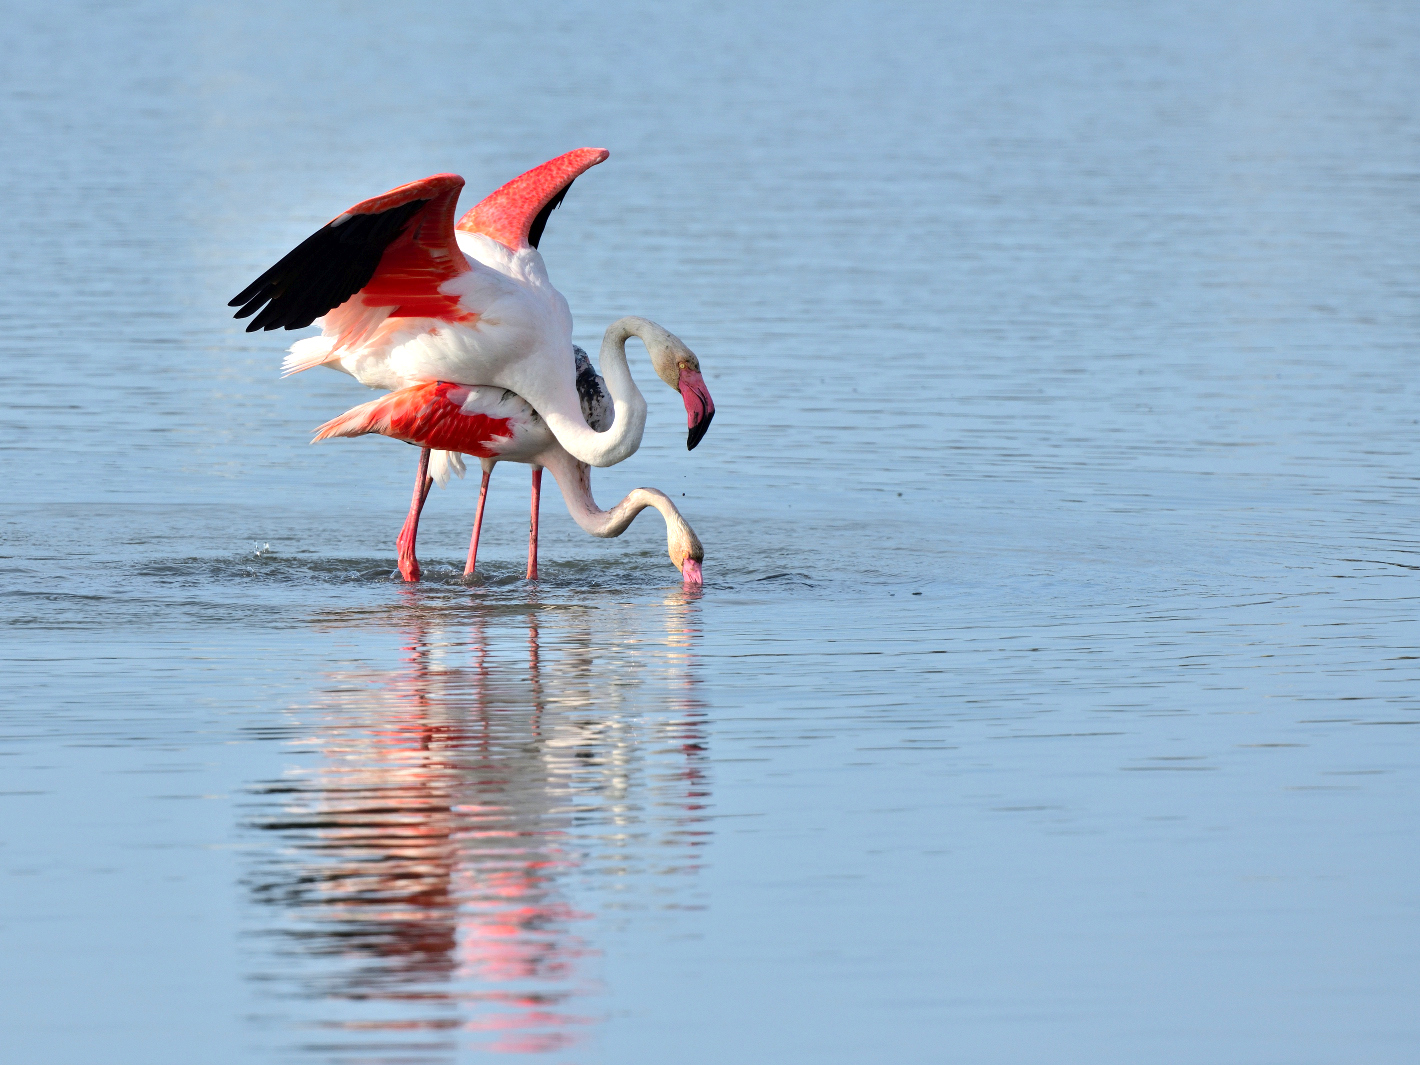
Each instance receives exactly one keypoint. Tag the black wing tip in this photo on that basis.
(697, 431)
(324, 270)
(539, 222)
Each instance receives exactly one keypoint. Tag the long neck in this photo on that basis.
(575, 480)
(623, 436)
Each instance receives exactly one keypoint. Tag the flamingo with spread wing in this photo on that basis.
(404, 296)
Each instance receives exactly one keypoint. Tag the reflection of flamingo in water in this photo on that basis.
(422, 866)
(431, 863)
(496, 425)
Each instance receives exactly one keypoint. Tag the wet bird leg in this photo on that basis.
(477, 526)
(404, 543)
(532, 525)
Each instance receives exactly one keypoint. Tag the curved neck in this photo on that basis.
(575, 480)
(623, 436)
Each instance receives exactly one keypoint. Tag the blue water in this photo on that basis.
(1052, 696)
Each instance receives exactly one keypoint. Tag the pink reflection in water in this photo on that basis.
(422, 872)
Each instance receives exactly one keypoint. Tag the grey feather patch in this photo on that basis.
(597, 405)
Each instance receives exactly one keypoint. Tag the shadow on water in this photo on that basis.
(432, 867)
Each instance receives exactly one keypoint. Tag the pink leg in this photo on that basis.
(532, 525)
(404, 544)
(477, 526)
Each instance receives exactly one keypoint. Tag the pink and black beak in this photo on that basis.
(699, 407)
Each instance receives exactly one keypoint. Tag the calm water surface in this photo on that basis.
(1052, 696)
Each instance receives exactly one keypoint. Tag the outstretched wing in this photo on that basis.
(395, 250)
(516, 214)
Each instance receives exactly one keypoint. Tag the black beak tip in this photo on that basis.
(698, 431)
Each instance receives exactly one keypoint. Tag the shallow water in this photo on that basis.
(1052, 694)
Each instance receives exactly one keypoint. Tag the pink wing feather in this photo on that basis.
(430, 415)
(386, 257)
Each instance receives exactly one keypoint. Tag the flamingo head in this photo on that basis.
(678, 366)
(516, 214)
(685, 551)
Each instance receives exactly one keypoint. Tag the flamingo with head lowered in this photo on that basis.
(404, 296)
(493, 425)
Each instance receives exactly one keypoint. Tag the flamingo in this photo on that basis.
(494, 424)
(404, 296)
